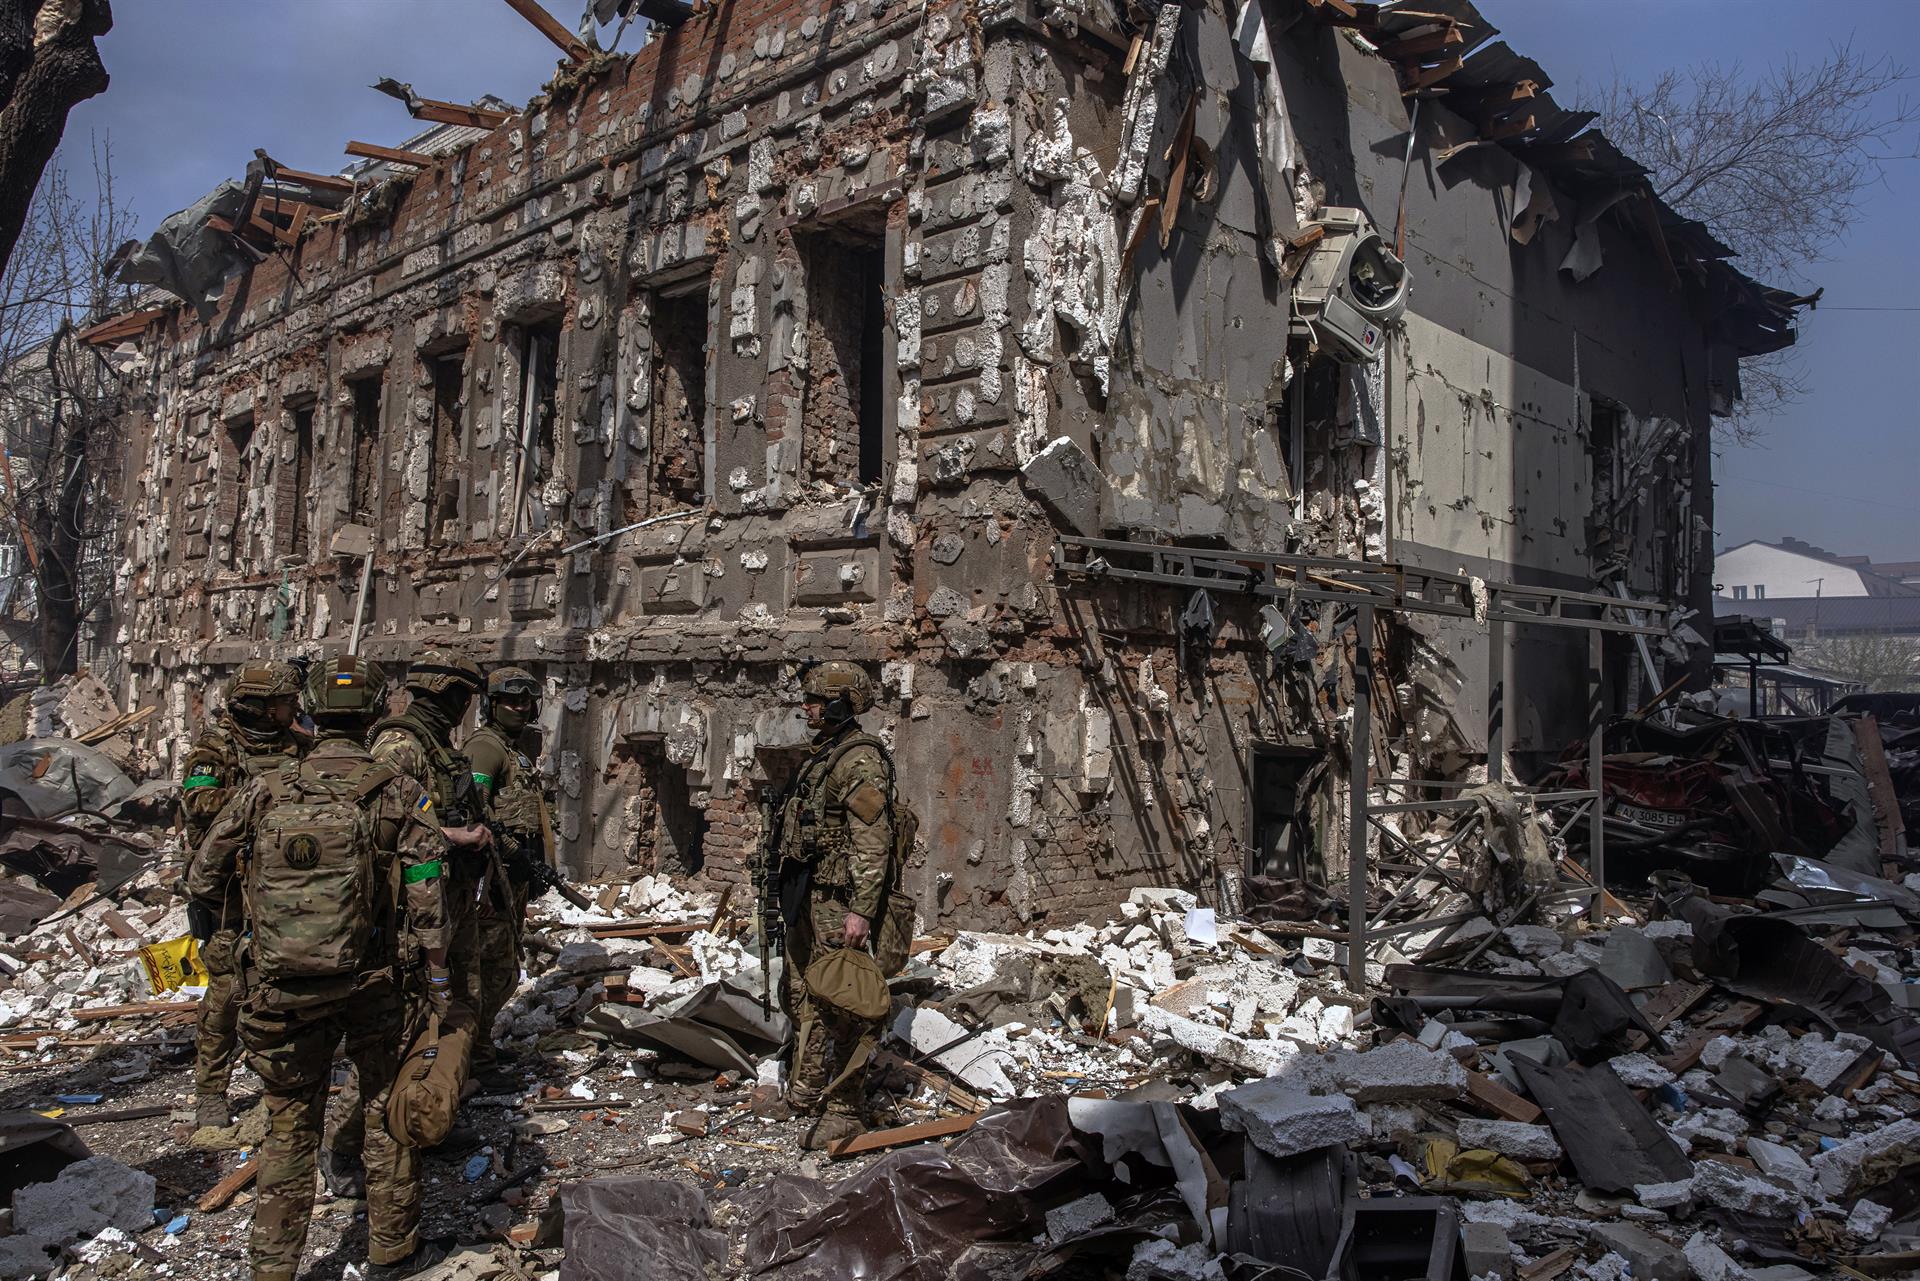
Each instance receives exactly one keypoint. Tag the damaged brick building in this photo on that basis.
(807, 330)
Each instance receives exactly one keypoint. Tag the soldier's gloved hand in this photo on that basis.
(439, 988)
(201, 921)
(855, 928)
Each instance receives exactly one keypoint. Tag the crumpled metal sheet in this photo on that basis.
(1769, 959)
(1613, 1142)
(719, 1025)
(923, 1214)
(637, 1227)
(63, 857)
(186, 257)
(1588, 1012)
(55, 776)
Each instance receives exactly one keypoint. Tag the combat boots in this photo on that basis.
(210, 1112)
(829, 1129)
(425, 1255)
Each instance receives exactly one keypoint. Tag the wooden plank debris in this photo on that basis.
(666, 929)
(138, 1010)
(951, 1091)
(120, 1114)
(902, 1135)
(230, 1187)
(1490, 1097)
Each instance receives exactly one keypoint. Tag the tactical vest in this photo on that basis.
(450, 776)
(312, 885)
(815, 831)
(515, 798)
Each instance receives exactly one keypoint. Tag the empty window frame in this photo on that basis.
(237, 447)
(1285, 843)
(539, 406)
(679, 395)
(445, 482)
(363, 494)
(844, 415)
(290, 486)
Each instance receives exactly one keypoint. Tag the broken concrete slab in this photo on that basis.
(1283, 1120)
(1486, 1250)
(1709, 1262)
(87, 1197)
(1651, 1258)
(1868, 1219)
(1841, 1166)
(979, 1059)
(1778, 1161)
(1510, 1138)
(1076, 1217)
(1066, 480)
(1732, 1188)
(1403, 1072)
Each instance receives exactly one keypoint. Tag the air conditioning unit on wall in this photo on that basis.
(1350, 287)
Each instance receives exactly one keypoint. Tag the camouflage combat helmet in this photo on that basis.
(438, 670)
(509, 682)
(264, 680)
(846, 687)
(347, 686)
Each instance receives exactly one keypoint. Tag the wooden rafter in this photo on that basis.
(453, 113)
(372, 151)
(1427, 77)
(115, 328)
(1424, 46)
(549, 26)
(318, 181)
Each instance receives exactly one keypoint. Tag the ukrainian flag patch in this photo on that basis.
(425, 803)
(343, 678)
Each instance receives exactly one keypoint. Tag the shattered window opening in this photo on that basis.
(291, 494)
(679, 395)
(540, 374)
(237, 445)
(843, 423)
(364, 482)
(443, 508)
(1285, 845)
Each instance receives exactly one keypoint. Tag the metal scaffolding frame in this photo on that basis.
(1367, 587)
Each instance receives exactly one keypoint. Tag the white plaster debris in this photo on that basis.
(1075, 1217)
(1868, 1219)
(1709, 1262)
(1516, 1139)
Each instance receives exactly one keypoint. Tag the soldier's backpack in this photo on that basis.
(310, 886)
(893, 932)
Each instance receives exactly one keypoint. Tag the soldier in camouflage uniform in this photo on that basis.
(418, 743)
(836, 843)
(291, 1025)
(505, 778)
(251, 736)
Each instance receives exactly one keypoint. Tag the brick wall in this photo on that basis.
(836, 312)
(680, 397)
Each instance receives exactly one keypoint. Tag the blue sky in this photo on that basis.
(198, 84)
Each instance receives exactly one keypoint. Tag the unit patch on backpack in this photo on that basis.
(310, 886)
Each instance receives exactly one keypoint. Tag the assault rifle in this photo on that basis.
(522, 856)
(766, 893)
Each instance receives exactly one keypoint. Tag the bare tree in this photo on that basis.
(60, 403)
(1884, 664)
(48, 64)
(1776, 164)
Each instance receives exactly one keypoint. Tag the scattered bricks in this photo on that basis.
(1709, 1262)
(1731, 1188)
(1840, 1166)
(1258, 1058)
(1868, 1220)
(1403, 1072)
(1510, 1138)
(1487, 1251)
(1284, 1120)
(1075, 1217)
(1652, 1258)
(1825, 1062)
(691, 1123)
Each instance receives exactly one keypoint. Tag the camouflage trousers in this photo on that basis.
(216, 1031)
(292, 1050)
(498, 965)
(832, 1050)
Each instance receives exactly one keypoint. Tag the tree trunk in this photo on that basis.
(42, 76)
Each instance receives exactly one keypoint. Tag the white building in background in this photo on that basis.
(1790, 568)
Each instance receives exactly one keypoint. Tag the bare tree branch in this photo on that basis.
(1777, 165)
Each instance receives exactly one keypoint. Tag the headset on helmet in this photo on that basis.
(263, 680)
(846, 687)
(347, 686)
(439, 670)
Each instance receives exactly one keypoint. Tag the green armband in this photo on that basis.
(483, 780)
(200, 780)
(421, 872)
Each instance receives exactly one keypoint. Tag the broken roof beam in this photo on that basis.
(444, 113)
(549, 26)
(117, 328)
(393, 155)
(278, 172)
(1424, 46)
